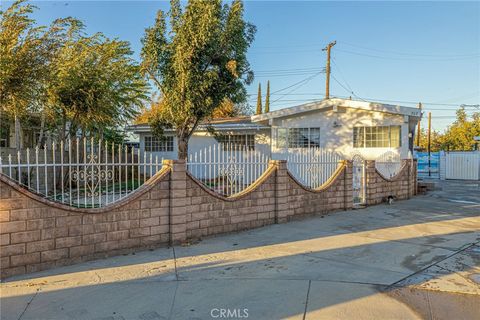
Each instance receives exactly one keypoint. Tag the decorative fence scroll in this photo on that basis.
(358, 180)
(227, 169)
(388, 164)
(312, 167)
(81, 173)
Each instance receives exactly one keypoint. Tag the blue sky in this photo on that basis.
(399, 51)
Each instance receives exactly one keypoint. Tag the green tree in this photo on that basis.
(459, 136)
(94, 84)
(259, 100)
(197, 62)
(25, 50)
(435, 140)
(226, 109)
(267, 98)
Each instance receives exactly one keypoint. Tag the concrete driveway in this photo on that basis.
(415, 259)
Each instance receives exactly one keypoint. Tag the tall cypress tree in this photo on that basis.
(267, 99)
(259, 99)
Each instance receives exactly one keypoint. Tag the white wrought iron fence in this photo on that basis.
(388, 164)
(81, 173)
(312, 167)
(227, 168)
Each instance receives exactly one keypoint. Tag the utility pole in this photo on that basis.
(418, 125)
(429, 141)
(327, 48)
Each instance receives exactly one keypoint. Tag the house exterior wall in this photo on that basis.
(336, 130)
(336, 133)
(201, 140)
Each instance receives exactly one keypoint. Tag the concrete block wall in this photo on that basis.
(401, 186)
(336, 194)
(171, 208)
(37, 234)
(209, 214)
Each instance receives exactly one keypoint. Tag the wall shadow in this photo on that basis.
(378, 248)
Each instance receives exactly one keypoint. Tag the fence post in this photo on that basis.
(178, 201)
(371, 182)
(282, 210)
(414, 175)
(348, 185)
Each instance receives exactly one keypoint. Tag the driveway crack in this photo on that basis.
(431, 265)
(28, 304)
(173, 301)
(175, 263)
(306, 300)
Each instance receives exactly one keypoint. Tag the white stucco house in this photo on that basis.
(346, 126)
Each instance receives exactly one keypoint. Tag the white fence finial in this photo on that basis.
(227, 168)
(312, 167)
(82, 173)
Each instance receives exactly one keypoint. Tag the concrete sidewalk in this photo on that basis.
(414, 259)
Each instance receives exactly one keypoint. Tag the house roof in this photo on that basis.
(255, 122)
(223, 124)
(324, 104)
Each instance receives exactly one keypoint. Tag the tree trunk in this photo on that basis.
(64, 127)
(182, 147)
(18, 142)
(42, 129)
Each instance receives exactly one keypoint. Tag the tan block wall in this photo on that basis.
(402, 186)
(172, 207)
(335, 195)
(210, 214)
(37, 234)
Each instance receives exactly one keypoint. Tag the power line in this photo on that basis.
(299, 85)
(284, 75)
(341, 74)
(341, 85)
(456, 106)
(289, 70)
(406, 58)
(299, 82)
(410, 53)
(397, 55)
(452, 55)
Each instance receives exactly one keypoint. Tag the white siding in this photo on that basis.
(336, 130)
(201, 140)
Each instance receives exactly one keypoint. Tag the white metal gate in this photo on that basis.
(227, 168)
(358, 180)
(312, 167)
(462, 165)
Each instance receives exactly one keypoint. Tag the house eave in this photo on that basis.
(145, 128)
(332, 103)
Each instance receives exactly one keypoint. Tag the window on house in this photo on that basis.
(297, 137)
(159, 144)
(238, 141)
(280, 137)
(303, 137)
(377, 137)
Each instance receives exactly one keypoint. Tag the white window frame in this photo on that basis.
(238, 141)
(283, 137)
(376, 137)
(158, 144)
